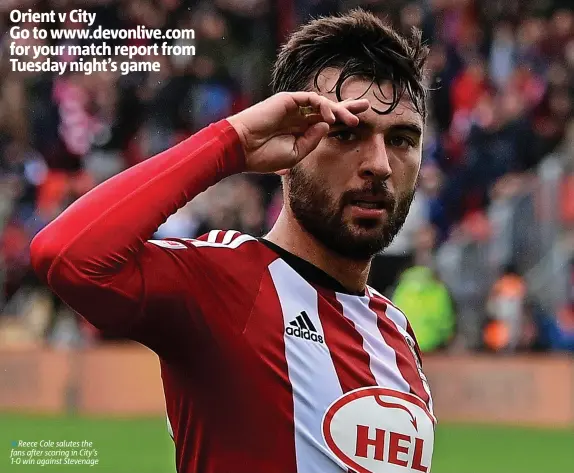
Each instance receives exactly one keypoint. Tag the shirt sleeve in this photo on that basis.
(97, 258)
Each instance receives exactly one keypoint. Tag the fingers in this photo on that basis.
(356, 106)
(329, 111)
(312, 106)
(310, 140)
(347, 111)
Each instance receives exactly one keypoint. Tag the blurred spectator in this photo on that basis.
(555, 333)
(427, 304)
(469, 87)
(566, 313)
(502, 56)
(424, 298)
(506, 328)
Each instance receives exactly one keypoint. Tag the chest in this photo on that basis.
(355, 386)
(339, 341)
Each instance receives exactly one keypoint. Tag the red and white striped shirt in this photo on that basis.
(268, 364)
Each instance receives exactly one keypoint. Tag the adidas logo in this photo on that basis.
(302, 327)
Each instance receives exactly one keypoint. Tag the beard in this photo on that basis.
(322, 215)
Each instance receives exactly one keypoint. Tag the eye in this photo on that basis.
(401, 142)
(343, 135)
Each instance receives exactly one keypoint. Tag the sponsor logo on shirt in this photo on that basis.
(302, 327)
(379, 430)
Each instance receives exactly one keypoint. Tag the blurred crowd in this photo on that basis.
(501, 110)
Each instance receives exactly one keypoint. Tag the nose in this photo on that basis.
(375, 163)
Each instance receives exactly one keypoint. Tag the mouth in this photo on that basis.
(370, 204)
(370, 208)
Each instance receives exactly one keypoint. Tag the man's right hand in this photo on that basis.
(276, 135)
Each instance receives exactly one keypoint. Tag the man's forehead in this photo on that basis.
(380, 96)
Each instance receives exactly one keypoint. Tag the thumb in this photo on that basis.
(310, 139)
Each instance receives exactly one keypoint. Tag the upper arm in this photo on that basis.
(195, 291)
(173, 296)
(169, 295)
(143, 298)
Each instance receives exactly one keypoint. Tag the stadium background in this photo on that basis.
(489, 245)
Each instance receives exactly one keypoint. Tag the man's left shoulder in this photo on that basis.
(376, 295)
(396, 315)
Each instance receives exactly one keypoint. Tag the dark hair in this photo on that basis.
(359, 44)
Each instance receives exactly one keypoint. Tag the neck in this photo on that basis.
(289, 235)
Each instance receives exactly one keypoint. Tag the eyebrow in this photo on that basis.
(411, 127)
(414, 128)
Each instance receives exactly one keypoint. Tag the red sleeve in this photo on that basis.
(95, 255)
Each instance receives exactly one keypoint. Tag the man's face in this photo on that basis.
(353, 192)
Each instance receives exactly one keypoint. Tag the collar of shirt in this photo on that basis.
(309, 271)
